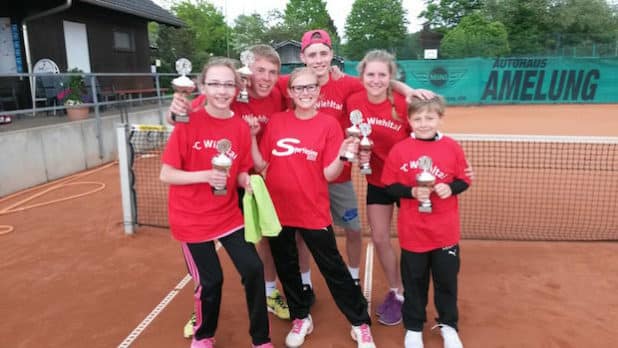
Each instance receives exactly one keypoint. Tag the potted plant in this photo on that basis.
(74, 96)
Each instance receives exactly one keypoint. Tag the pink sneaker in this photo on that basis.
(362, 335)
(300, 329)
(264, 345)
(203, 343)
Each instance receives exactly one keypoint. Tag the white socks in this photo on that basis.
(306, 276)
(270, 287)
(354, 272)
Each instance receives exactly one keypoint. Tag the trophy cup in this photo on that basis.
(365, 145)
(356, 117)
(246, 58)
(425, 179)
(222, 163)
(183, 85)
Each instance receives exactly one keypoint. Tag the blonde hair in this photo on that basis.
(300, 71)
(436, 104)
(266, 52)
(388, 59)
(219, 61)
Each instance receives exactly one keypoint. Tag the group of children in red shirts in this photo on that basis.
(292, 132)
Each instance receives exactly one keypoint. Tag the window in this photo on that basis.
(123, 41)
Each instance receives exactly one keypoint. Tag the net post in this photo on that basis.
(128, 212)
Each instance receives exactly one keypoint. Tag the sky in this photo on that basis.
(337, 9)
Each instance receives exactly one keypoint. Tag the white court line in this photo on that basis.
(158, 309)
(368, 281)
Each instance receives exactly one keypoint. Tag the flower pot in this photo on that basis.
(77, 113)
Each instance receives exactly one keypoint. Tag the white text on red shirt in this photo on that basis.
(212, 144)
(289, 149)
(328, 104)
(261, 118)
(376, 121)
(406, 167)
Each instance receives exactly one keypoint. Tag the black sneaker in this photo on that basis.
(308, 291)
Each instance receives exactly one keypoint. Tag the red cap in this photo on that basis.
(315, 36)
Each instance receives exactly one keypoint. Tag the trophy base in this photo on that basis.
(219, 192)
(365, 171)
(180, 118)
(424, 209)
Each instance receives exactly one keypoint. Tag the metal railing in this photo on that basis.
(112, 89)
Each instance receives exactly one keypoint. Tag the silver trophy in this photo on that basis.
(246, 58)
(222, 163)
(356, 117)
(425, 179)
(183, 85)
(366, 145)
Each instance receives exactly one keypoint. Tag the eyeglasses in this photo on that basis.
(298, 89)
(225, 85)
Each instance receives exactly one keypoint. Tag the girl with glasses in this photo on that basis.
(301, 150)
(198, 216)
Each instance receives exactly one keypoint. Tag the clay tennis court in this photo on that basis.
(71, 278)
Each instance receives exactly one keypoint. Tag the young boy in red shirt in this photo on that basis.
(429, 238)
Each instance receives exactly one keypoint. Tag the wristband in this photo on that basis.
(343, 158)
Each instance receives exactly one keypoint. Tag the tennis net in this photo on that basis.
(525, 187)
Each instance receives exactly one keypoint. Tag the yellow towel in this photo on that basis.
(260, 215)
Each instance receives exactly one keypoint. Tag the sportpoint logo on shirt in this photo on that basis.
(287, 144)
(406, 167)
(212, 144)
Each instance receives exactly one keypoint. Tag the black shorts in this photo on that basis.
(378, 195)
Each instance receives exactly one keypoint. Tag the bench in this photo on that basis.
(130, 94)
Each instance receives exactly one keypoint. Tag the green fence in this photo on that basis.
(513, 80)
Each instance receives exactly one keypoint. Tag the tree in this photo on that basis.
(277, 31)
(527, 22)
(207, 23)
(303, 15)
(444, 14)
(584, 21)
(475, 36)
(203, 36)
(153, 33)
(374, 24)
(248, 30)
(411, 48)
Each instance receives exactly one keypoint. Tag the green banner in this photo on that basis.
(513, 80)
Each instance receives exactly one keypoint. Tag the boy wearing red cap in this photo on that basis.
(317, 54)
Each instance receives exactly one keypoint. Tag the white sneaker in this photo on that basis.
(300, 329)
(414, 339)
(450, 337)
(362, 335)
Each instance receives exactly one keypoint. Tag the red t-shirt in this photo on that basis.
(421, 232)
(332, 99)
(261, 108)
(297, 152)
(195, 213)
(385, 130)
